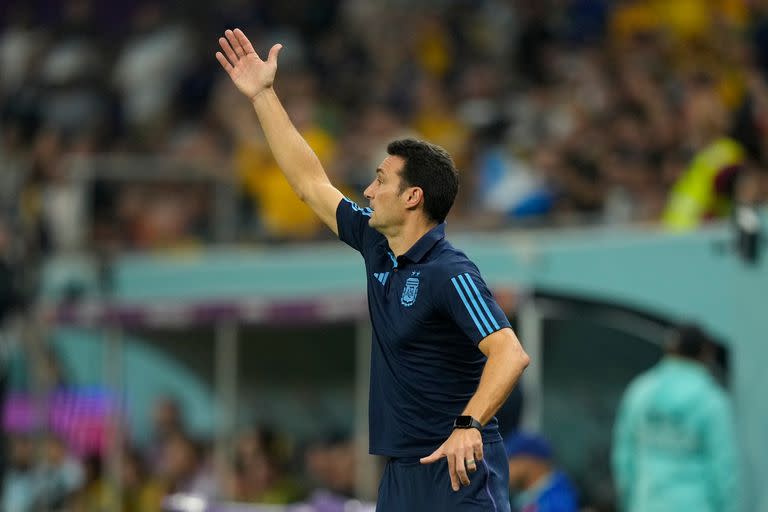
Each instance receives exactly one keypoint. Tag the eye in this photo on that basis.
(379, 180)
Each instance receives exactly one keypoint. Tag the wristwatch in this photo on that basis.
(467, 422)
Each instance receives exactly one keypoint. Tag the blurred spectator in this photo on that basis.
(167, 417)
(20, 485)
(705, 189)
(59, 476)
(167, 421)
(260, 463)
(141, 491)
(504, 184)
(539, 485)
(674, 444)
(436, 120)
(751, 118)
(751, 191)
(95, 493)
(184, 468)
(148, 70)
(330, 466)
(282, 214)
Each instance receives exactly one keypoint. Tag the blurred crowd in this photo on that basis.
(117, 127)
(45, 472)
(119, 131)
(674, 447)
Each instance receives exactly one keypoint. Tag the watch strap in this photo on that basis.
(461, 422)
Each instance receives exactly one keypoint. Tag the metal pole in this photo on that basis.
(112, 367)
(226, 349)
(113, 378)
(224, 211)
(367, 465)
(531, 337)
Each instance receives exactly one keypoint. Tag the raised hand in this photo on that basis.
(249, 73)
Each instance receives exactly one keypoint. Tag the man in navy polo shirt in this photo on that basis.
(443, 358)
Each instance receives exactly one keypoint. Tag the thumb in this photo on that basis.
(436, 455)
(273, 53)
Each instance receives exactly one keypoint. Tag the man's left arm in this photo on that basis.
(504, 366)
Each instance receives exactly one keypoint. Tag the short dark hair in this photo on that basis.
(431, 168)
(690, 341)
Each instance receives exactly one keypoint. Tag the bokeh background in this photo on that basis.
(178, 328)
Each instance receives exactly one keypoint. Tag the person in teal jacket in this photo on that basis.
(674, 446)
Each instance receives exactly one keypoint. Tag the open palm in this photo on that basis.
(250, 74)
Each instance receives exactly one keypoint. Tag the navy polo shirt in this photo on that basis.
(429, 310)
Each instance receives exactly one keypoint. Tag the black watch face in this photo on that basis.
(464, 421)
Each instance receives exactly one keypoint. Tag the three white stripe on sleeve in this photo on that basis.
(475, 304)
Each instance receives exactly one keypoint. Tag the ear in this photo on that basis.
(414, 196)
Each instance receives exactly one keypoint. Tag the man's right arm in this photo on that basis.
(254, 78)
(298, 162)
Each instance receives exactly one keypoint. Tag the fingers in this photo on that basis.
(434, 457)
(235, 43)
(228, 51)
(461, 470)
(224, 62)
(244, 42)
(478, 451)
(463, 454)
(452, 473)
(273, 53)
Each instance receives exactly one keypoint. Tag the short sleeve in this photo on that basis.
(468, 301)
(352, 221)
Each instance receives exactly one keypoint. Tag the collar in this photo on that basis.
(685, 364)
(425, 243)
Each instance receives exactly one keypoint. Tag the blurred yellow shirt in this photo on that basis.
(685, 19)
(281, 212)
(443, 129)
(693, 197)
(433, 50)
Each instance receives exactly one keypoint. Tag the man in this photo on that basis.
(674, 444)
(540, 486)
(704, 190)
(167, 421)
(443, 355)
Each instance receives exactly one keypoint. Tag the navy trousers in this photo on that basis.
(409, 486)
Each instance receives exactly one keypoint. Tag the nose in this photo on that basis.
(368, 193)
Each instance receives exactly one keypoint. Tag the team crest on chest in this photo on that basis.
(408, 298)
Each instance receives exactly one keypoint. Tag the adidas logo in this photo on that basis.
(381, 276)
